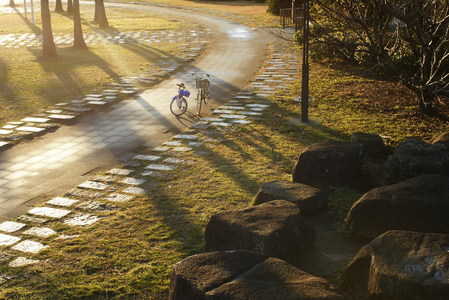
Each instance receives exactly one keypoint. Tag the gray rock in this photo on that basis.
(329, 163)
(274, 228)
(309, 199)
(402, 265)
(414, 157)
(418, 204)
(245, 275)
(372, 144)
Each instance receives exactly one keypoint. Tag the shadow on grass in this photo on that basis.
(33, 27)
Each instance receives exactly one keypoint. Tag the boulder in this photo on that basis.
(274, 228)
(402, 265)
(414, 157)
(329, 163)
(309, 199)
(245, 275)
(441, 138)
(418, 204)
(372, 144)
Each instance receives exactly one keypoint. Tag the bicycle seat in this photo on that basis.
(181, 85)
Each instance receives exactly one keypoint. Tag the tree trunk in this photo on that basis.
(11, 3)
(96, 17)
(48, 44)
(69, 7)
(59, 7)
(102, 18)
(78, 39)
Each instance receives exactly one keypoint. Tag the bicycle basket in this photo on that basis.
(200, 83)
(185, 93)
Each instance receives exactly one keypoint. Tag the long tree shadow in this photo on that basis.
(5, 90)
(32, 26)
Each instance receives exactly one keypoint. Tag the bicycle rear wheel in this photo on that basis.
(206, 91)
(199, 101)
(178, 106)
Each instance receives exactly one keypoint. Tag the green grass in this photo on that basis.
(30, 83)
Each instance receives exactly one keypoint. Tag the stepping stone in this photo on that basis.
(221, 124)
(9, 226)
(79, 109)
(147, 157)
(54, 111)
(185, 137)
(42, 232)
(258, 105)
(133, 181)
(118, 171)
(5, 132)
(31, 219)
(134, 191)
(96, 206)
(232, 107)
(35, 120)
(61, 117)
(93, 102)
(119, 197)
(151, 173)
(212, 119)
(6, 240)
(195, 144)
(82, 193)
(82, 220)
(29, 246)
(30, 129)
(93, 185)
(160, 167)
(49, 212)
(243, 122)
(61, 201)
(174, 160)
(160, 149)
(182, 149)
(233, 116)
(173, 143)
(250, 113)
(22, 261)
(223, 111)
(105, 178)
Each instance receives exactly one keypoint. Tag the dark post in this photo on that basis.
(305, 66)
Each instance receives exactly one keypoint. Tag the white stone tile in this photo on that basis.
(29, 246)
(186, 136)
(49, 212)
(82, 220)
(134, 191)
(61, 201)
(35, 120)
(233, 116)
(147, 157)
(30, 129)
(133, 181)
(173, 143)
(117, 197)
(119, 171)
(42, 232)
(221, 124)
(10, 226)
(161, 149)
(94, 185)
(173, 160)
(160, 167)
(22, 261)
(195, 144)
(182, 149)
(6, 240)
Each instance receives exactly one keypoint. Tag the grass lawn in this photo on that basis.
(30, 83)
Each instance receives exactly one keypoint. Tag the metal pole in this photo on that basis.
(32, 12)
(305, 66)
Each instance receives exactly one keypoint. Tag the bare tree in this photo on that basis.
(48, 44)
(69, 7)
(410, 38)
(78, 38)
(100, 14)
(58, 7)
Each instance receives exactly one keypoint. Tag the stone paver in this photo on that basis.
(29, 246)
(9, 226)
(42, 232)
(6, 240)
(49, 212)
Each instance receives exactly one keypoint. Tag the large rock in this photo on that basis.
(372, 144)
(309, 199)
(274, 228)
(329, 163)
(414, 157)
(418, 204)
(402, 265)
(441, 138)
(245, 275)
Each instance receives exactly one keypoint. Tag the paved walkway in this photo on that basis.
(34, 172)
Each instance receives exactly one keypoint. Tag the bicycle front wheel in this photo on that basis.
(178, 106)
(199, 101)
(206, 92)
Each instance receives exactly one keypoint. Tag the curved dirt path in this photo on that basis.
(48, 166)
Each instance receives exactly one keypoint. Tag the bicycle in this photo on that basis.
(203, 86)
(178, 104)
